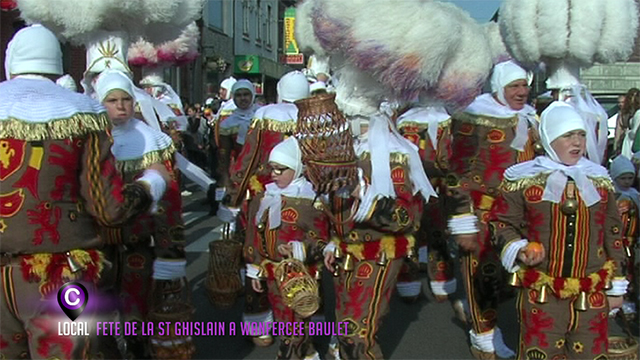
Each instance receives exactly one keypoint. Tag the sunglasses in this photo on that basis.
(278, 171)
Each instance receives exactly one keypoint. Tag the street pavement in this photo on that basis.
(425, 329)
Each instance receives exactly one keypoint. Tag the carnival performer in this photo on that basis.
(286, 225)
(429, 128)
(372, 246)
(59, 182)
(136, 146)
(249, 174)
(623, 173)
(231, 131)
(559, 230)
(270, 125)
(491, 134)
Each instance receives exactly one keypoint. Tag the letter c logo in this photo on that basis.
(66, 296)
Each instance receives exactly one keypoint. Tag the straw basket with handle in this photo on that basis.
(623, 347)
(171, 302)
(298, 289)
(223, 278)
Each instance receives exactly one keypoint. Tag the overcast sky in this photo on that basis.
(481, 10)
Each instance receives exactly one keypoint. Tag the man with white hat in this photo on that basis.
(490, 135)
(59, 182)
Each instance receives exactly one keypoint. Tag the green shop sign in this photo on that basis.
(247, 64)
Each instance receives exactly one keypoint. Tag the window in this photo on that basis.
(259, 22)
(245, 18)
(269, 25)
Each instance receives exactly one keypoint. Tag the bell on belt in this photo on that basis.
(337, 253)
(581, 302)
(411, 254)
(382, 259)
(514, 280)
(569, 206)
(542, 295)
(608, 285)
(73, 265)
(336, 270)
(261, 227)
(348, 263)
(262, 273)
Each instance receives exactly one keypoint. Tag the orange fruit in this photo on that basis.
(534, 249)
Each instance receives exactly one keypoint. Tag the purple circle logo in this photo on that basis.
(73, 298)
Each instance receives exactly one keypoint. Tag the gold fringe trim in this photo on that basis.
(397, 158)
(422, 125)
(56, 129)
(571, 285)
(143, 163)
(288, 126)
(255, 185)
(498, 123)
(541, 179)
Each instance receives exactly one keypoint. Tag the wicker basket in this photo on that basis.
(298, 289)
(326, 144)
(173, 304)
(623, 347)
(223, 277)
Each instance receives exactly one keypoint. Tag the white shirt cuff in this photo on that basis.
(157, 186)
(444, 287)
(619, 287)
(299, 252)
(253, 271)
(331, 247)
(164, 269)
(466, 224)
(510, 254)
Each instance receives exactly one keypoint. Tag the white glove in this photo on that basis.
(226, 214)
(165, 269)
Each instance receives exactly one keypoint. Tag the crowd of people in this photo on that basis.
(526, 193)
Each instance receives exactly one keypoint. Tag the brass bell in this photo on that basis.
(569, 206)
(542, 295)
(337, 253)
(514, 280)
(382, 259)
(608, 285)
(318, 274)
(73, 264)
(336, 270)
(348, 263)
(262, 273)
(581, 303)
(261, 227)
(411, 254)
(538, 148)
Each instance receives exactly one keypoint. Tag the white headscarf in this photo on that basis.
(241, 118)
(286, 153)
(558, 119)
(113, 80)
(33, 50)
(504, 74)
(228, 84)
(293, 86)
